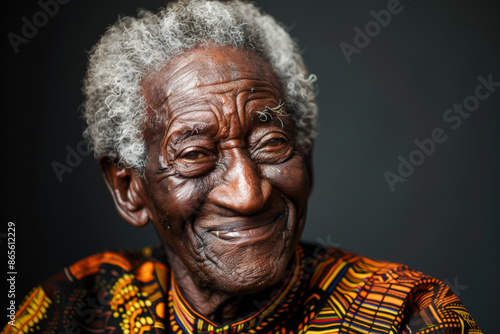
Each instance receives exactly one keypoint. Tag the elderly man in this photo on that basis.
(202, 117)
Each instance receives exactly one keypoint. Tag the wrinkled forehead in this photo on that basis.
(205, 69)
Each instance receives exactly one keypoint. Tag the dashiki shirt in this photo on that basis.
(323, 291)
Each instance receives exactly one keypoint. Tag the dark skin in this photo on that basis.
(226, 190)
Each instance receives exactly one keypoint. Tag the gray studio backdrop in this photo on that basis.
(406, 161)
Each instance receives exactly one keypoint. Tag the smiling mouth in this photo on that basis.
(254, 230)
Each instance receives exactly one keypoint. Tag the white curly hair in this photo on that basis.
(114, 107)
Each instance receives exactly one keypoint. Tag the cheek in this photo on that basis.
(291, 178)
(177, 202)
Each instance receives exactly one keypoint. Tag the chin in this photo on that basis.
(241, 257)
(247, 271)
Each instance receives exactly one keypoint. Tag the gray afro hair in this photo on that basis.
(114, 107)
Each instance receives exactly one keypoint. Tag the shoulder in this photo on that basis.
(112, 262)
(327, 263)
(85, 288)
(366, 292)
(106, 269)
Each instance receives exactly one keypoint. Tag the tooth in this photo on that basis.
(232, 234)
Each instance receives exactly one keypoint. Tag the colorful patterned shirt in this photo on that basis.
(323, 291)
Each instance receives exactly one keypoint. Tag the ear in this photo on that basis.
(126, 189)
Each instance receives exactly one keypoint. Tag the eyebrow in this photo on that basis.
(267, 114)
(186, 132)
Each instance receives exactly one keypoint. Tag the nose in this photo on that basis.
(243, 189)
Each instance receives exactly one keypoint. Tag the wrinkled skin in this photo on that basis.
(226, 190)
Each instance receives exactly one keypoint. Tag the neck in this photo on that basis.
(214, 305)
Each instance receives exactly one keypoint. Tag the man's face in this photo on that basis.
(225, 183)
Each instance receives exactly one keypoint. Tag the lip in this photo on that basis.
(249, 229)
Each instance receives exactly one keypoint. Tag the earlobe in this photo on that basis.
(126, 189)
